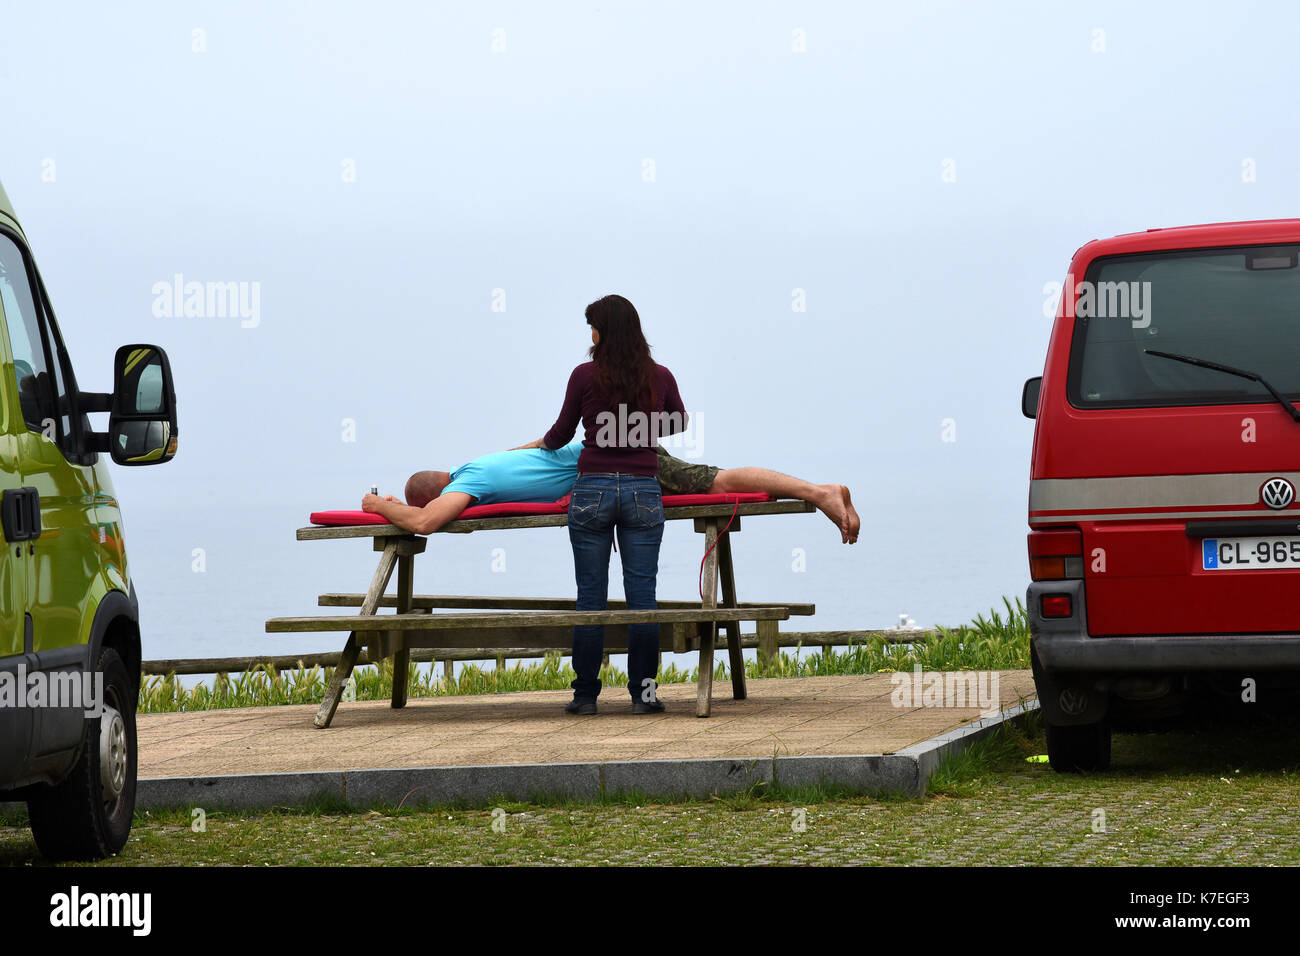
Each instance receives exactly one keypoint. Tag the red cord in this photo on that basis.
(734, 510)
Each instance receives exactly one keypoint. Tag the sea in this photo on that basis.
(209, 573)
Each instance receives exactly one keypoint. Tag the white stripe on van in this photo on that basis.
(1235, 489)
(1162, 515)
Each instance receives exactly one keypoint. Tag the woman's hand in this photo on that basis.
(531, 444)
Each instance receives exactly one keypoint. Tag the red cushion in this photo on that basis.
(477, 511)
(346, 518)
(534, 508)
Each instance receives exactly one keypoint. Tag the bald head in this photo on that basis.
(423, 486)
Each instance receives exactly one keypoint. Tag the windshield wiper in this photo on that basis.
(1241, 373)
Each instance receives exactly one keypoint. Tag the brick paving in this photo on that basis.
(783, 717)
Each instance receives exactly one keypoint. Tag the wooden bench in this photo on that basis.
(682, 641)
(536, 622)
(396, 634)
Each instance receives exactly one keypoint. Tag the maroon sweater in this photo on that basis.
(617, 443)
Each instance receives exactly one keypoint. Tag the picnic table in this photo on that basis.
(540, 623)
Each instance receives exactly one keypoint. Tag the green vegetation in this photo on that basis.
(1198, 794)
(993, 643)
(964, 774)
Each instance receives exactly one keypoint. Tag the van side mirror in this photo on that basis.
(142, 420)
(1029, 397)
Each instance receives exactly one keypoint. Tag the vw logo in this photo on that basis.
(1277, 493)
(1073, 702)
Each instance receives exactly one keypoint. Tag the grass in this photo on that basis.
(964, 774)
(998, 642)
(1201, 793)
(1206, 790)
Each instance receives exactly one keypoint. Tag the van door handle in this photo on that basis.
(20, 511)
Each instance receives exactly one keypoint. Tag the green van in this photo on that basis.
(69, 621)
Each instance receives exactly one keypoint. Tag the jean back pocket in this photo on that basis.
(647, 509)
(584, 507)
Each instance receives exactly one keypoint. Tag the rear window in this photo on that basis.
(1235, 306)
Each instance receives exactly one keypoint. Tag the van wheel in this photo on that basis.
(1083, 747)
(88, 815)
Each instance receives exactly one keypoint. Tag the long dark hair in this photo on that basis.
(624, 368)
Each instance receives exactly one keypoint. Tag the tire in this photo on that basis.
(82, 818)
(1085, 747)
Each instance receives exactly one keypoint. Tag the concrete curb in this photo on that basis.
(930, 753)
(907, 771)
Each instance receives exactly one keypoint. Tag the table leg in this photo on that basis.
(735, 653)
(768, 642)
(704, 689)
(334, 693)
(402, 656)
(351, 650)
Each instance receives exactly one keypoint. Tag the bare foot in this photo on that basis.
(854, 522)
(831, 503)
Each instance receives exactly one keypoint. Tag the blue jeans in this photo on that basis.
(633, 506)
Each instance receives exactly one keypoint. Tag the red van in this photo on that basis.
(1164, 542)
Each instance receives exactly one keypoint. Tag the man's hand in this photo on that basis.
(531, 444)
(426, 520)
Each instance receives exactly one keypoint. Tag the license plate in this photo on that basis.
(1249, 554)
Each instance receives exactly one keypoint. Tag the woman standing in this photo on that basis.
(625, 402)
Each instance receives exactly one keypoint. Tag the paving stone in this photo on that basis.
(801, 730)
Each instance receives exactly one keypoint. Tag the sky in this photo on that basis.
(838, 222)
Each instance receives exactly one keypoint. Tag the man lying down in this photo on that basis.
(434, 498)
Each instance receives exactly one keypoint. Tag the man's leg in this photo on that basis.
(831, 500)
(678, 477)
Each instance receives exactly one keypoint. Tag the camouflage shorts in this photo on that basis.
(683, 477)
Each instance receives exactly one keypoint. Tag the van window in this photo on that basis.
(1235, 306)
(41, 395)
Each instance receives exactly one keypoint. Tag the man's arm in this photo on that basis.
(438, 512)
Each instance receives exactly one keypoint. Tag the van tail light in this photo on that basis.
(1055, 555)
(1057, 605)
